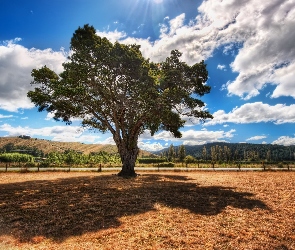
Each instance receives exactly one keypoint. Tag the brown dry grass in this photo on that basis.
(48, 146)
(195, 210)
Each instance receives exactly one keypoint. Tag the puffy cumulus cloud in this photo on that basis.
(113, 36)
(256, 138)
(284, 78)
(150, 146)
(144, 144)
(285, 140)
(193, 137)
(260, 34)
(50, 115)
(266, 30)
(255, 112)
(58, 133)
(188, 38)
(108, 140)
(16, 64)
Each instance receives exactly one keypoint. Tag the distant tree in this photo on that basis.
(236, 155)
(112, 87)
(181, 153)
(227, 153)
(189, 159)
(268, 155)
(214, 154)
(8, 147)
(171, 153)
(204, 153)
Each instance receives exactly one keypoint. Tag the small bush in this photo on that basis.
(280, 165)
(151, 160)
(166, 165)
(44, 165)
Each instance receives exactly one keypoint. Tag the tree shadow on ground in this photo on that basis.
(68, 207)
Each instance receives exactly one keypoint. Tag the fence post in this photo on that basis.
(99, 169)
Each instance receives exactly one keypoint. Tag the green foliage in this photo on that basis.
(11, 148)
(181, 153)
(171, 153)
(280, 164)
(71, 157)
(151, 160)
(113, 87)
(166, 165)
(189, 159)
(16, 157)
(229, 152)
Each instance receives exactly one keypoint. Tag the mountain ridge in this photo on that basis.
(242, 150)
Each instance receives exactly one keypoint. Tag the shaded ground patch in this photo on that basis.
(163, 210)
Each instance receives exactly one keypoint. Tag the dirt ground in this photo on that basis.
(156, 210)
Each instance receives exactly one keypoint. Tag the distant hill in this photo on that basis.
(48, 146)
(242, 150)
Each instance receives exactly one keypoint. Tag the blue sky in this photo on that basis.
(249, 48)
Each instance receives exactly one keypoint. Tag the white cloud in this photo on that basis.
(113, 36)
(193, 137)
(255, 112)
(285, 140)
(266, 30)
(158, 1)
(58, 133)
(5, 116)
(192, 41)
(49, 116)
(262, 31)
(189, 137)
(284, 78)
(221, 67)
(260, 34)
(148, 146)
(108, 140)
(256, 138)
(17, 63)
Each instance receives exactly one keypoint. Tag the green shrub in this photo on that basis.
(166, 165)
(151, 160)
(280, 165)
(16, 157)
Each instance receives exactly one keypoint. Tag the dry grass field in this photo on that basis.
(48, 146)
(194, 210)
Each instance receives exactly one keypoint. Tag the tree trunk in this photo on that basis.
(128, 158)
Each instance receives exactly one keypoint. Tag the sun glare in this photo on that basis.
(157, 1)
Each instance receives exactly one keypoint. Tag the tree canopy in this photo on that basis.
(112, 87)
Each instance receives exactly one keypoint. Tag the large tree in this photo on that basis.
(112, 87)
